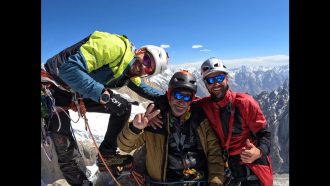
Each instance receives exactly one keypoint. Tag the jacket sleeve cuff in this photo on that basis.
(263, 149)
(216, 180)
(134, 129)
(99, 88)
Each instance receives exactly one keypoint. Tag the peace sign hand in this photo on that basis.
(141, 120)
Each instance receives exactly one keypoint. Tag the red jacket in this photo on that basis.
(249, 123)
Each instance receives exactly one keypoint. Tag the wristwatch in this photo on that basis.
(105, 97)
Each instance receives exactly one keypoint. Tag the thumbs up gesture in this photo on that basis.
(250, 152)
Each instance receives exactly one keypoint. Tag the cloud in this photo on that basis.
(197, 46)
(205, 50)
(273, 60)
(165, 46)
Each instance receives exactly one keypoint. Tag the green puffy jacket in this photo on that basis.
(100, 60)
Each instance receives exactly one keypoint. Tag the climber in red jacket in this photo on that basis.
(241, 126)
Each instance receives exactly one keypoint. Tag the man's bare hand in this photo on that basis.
(141, 120)
(155, 121)
(250, 152)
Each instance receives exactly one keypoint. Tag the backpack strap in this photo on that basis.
(225, 143)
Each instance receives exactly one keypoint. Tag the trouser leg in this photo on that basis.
(69, 159)
(245, 183)
(234, 183)
(108, 146)
(251, 183)
(115, 125)
(244, 176)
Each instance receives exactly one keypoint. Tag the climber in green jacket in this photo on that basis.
(91, 68)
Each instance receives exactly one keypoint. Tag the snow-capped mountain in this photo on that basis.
(275, 106)
(252, 80)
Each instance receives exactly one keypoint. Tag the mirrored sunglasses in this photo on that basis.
(219, 78)
(146, 62)
(178, 95)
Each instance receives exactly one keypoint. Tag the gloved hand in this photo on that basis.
(117, 104)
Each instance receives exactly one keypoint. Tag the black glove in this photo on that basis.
(117, 104)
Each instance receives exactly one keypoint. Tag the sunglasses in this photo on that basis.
(219, 78)
(146, 62)
(178, 95)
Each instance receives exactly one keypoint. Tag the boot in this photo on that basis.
(115, 162)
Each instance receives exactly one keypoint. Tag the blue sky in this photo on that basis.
(229, 29)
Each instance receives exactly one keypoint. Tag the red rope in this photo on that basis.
(83, 114)
(139, 179)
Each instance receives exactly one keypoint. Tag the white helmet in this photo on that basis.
(160, 57)
(213, 65)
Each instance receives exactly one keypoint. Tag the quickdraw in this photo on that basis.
(46, 143)
(228, 175)
(192, 174)
(225, 156)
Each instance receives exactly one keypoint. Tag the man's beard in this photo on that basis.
(134, 70)
(219, 97)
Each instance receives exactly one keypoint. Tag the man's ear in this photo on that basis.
(227, 77)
